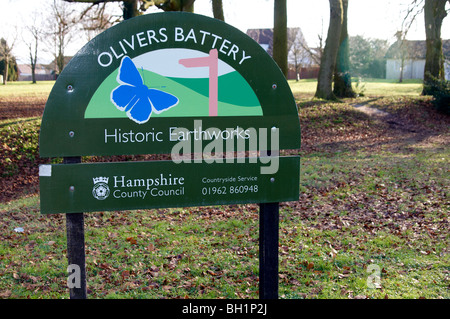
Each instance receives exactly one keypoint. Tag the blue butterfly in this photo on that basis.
(135, 98)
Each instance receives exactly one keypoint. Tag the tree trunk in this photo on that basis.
(402, 68)
(328, 60)
(33, 59)
(280, 41)
(5, 70)
(130, 9)
(33, 74)
(342, 77)
(217, 7)
(60, 61)
(434, 61)
(187, 5)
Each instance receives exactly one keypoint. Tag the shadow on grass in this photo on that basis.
(18, 121)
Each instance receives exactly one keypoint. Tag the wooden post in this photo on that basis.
(75, 245)
(268, 250)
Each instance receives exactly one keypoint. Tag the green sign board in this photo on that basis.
(127, 89)
(134, 185)
(169, 83)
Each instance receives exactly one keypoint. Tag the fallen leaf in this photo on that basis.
(295, 282)
(377, 285)
(132, 240)
(333, 252)
(153, 285)
(154, 268)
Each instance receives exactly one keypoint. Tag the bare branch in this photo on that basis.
(414, 9)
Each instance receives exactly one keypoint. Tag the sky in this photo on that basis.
(369, 18)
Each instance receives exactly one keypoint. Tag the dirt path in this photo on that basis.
(370, 110)
(411, 127)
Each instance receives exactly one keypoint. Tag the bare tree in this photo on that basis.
(413, 10)
(315, 53)
(61, 26)
(35, 33)
(297, 54)
(96, 19)
(133, 8)
(6, 56)
(402, 46)
(328, 61)
(130, 8)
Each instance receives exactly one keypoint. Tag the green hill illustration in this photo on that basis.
(235, 96)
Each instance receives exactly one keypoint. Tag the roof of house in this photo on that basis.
(264, 37)
(53, 66)
(414, 49)
(40, 69)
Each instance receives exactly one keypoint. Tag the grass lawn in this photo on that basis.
(306, 87)
(25, 89)
(371, 222)
(369, 87)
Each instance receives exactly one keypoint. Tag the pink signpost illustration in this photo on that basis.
(212, 62)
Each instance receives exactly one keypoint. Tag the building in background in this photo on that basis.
(42, 73)
(301, 62)
(411, 54)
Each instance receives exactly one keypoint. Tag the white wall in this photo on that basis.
(412, 69)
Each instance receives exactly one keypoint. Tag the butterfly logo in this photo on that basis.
(135, 98)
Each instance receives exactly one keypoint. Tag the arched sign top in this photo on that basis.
(131, 87)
